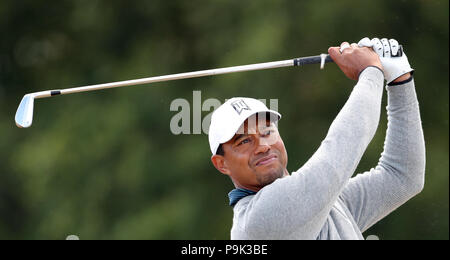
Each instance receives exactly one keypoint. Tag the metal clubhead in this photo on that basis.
(24, 114)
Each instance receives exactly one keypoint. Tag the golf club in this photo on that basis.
(24, 114)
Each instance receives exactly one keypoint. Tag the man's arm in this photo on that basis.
(304, 199)
(399, 174)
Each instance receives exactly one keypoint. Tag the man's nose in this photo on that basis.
(262, 146)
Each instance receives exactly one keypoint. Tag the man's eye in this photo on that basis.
(244, 141)
(268, 132)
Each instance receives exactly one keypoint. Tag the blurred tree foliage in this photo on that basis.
(105, 165)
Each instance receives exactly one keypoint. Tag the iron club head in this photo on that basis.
(24, 114)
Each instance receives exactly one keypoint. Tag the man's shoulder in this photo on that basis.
(243, 203)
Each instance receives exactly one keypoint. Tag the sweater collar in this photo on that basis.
(237, 194)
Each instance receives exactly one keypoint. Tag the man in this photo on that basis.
(321, 200)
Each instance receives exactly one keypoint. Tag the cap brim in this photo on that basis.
(229, 136)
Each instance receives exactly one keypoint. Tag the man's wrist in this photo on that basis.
(405, 78)
(371, 66)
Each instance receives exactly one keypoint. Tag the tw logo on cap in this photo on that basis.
(239, 106)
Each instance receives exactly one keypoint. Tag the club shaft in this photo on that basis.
(202, 73)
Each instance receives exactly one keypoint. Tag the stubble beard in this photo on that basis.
(271, 176)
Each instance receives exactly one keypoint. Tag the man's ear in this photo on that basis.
(220, 164)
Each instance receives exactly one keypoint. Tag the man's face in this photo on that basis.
(255, 156)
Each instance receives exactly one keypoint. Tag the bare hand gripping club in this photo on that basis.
(24, 114)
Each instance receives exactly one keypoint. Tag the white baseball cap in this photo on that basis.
(228, 118)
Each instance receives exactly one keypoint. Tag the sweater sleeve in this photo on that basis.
(400, 172)
(304, 199)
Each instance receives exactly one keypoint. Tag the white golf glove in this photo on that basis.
(393, 59)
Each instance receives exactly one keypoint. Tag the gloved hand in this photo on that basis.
(393, 59)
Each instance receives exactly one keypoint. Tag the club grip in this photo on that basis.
(311, 60)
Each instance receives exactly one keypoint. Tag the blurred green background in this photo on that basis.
(105, 165)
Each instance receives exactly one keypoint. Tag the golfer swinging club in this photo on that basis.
(322, 200)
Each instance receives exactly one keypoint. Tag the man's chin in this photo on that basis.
(266, 178)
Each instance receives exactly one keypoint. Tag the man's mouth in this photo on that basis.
(266, 160)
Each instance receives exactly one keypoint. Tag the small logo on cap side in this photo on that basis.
(239, 106)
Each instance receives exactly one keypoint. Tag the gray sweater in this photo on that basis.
(321, 200)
